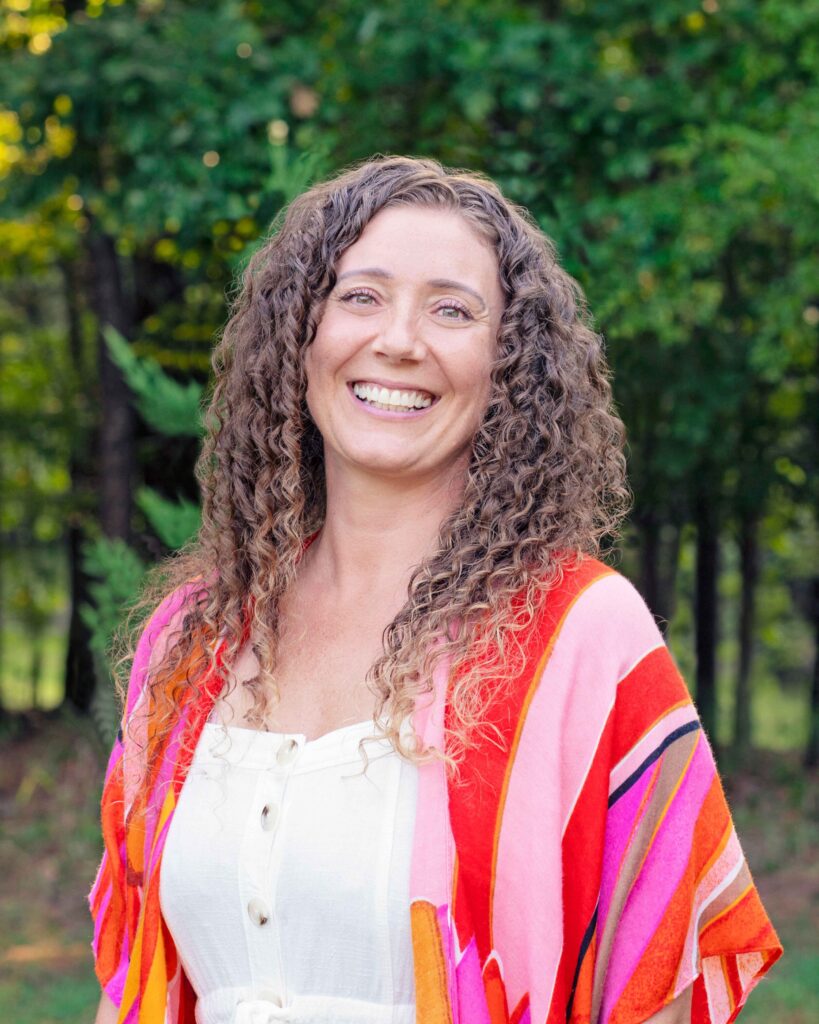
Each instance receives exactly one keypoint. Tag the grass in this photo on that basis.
(789, 994)
(50, 774)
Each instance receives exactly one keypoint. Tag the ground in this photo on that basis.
(50, 777)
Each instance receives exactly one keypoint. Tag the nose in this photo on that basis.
(399, 337)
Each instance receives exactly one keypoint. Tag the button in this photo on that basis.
(258, 911)
(287, 752)
(270, 815)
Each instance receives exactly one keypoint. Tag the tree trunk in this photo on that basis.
(116, 437)
(2, 607)
(36, 669)
(812, 751)
(706, 612)
(749, 571)
(79, 663)
(659, 555)
(669, 564)
(649, 530)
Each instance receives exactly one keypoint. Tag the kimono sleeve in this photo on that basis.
(677, 903)
(114, 899)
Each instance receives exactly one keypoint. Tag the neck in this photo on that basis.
(377, 530)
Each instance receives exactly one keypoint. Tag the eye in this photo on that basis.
(449, 304)
(359, 293)
(365, 297)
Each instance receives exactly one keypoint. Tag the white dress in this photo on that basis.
(285, 878)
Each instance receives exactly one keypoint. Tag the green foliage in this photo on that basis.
(669, 149)
(119, 571)
(174, 522)
(169, 407)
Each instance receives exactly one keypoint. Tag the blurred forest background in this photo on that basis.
(669, 147)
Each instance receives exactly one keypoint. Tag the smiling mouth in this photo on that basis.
(390, 398)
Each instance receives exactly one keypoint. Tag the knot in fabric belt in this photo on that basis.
(260, 1011)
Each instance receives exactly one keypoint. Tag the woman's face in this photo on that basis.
(398, 372)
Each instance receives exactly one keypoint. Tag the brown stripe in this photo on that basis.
(728, 896)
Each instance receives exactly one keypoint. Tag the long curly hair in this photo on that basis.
(545, 482)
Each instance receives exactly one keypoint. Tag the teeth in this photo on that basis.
(383, 398)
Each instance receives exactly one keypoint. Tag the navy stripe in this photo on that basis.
(672, 737)
(584, 945)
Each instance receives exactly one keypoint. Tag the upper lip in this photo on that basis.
(391, 385)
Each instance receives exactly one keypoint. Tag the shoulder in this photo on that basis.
(164, 623)
(602, 640)
(593, 613)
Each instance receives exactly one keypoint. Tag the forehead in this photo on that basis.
(421, 240)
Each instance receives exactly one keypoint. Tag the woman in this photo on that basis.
(438, 764)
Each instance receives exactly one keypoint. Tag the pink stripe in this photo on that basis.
(606, 632)
(659, 877)
(433, 845)
(724, 867)
(137, 723)
(165, 611)
(106, 899)
(92, 895)
(717, 993)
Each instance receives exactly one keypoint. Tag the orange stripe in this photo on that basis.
(718, 850)
(533, 686)
(729, 908)
(431, 986)
(728, 986)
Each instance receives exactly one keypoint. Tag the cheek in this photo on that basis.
(317, 362)
(473, 377)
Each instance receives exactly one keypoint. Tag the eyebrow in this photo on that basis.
(436, 282)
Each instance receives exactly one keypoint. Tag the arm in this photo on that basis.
(114, 902)
(677, 908)
(107, 1012)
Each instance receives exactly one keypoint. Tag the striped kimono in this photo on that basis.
(585, 870)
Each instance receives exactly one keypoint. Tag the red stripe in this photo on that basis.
(646, 694)
(476, 799)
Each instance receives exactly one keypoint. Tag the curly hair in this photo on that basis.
(545, 481)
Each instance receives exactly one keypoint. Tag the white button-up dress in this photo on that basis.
(285, 878)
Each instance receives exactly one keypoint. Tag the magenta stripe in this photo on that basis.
(132, 1016)
(472, 1008)
(99, 918)
(659, 877)
(442, 916)
(621, 821)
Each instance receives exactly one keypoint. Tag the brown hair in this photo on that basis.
(546, 480)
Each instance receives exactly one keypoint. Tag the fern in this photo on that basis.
(166, 405)
(174, 522)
